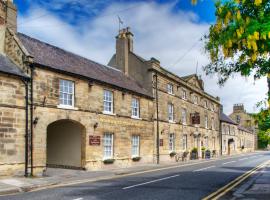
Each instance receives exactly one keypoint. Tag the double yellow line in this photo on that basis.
(225, 189)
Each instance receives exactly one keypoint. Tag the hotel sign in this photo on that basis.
(94, 140)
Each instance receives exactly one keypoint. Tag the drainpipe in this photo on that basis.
(26, 127)
(31, 116)
(157, 141)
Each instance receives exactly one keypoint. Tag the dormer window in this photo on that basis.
(170, 88)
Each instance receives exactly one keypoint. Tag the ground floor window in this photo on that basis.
(214, 143)
(135, 145)
(108, 145)
(184, 142)
(171, 142)
(224, 145)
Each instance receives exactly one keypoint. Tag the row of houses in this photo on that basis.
(58, 109)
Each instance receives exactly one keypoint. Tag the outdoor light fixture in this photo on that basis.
(95, 125)
(35, 121)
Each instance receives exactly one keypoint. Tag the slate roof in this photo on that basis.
(61, 60)
(225, 118)
(244, 129)
(7, 66)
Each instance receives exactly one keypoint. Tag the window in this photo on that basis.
(205, 104)
(206, 142)
(238, 119)
(66, 93)
(195, 99)
(223, 129)
(135, 145)
(170, 88)
(108, 145)
(224, 145)
(171, 142)
(206, 121)
(184, 116)
(184, 94)
(212, 107)
(214, 143)
(228, 130)
(170, 112)
(213, 123)
(135, 107)
(108, 101)
(184, 142)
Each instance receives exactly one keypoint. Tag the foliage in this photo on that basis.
(239, 41)
(108, 161)
(137, 158)
(194, 150)
(263, 120)
(172, 154)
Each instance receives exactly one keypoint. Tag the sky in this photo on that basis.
(169, 30)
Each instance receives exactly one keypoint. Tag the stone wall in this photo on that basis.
(12, 125)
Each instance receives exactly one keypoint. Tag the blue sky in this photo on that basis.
(168, 30)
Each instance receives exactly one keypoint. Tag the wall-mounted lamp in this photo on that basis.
(35, 121)
(95, 125)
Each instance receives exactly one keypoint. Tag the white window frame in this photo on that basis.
(205, 104)
(170, 112)
(170, 88)
(135, 108)
(184, 142)
(105, 144)
(213, 123)
(184, 116)
(171, 142)
(206, 121)
(135, 145)
(184, 94)
(68, 92)
(195, 99)
(105, 100)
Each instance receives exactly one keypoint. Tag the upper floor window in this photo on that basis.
(184, 142)
(205, 104)
(195, 99)
(108, 101)
(212, 107)
(184, 94)
(238, 119)
(135, 107)
(184, 116)
(170, 88)
(223, 129)
(171, 142)
(135, 145)
(213, 123)
(206, 121)
(66, 93)
(170, 112)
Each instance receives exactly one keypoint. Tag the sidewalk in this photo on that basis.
(58, 177)
(257, 187)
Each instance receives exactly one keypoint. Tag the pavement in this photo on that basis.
(256, 187)
(184, 180)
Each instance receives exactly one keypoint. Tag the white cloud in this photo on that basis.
(158, 32)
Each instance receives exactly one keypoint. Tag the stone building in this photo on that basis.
(76, 114)
(185, 115)
(235, 138)
(245, 120)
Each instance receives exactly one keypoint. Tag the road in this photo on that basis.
(186, 182)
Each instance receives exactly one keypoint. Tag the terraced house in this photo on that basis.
(58, 109)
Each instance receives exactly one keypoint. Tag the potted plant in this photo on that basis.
(207, 154)
(108, 161)
(172, 154)
(136, 158)
(194, 153)
(203, 152)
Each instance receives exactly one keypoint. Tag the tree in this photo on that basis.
(239, 41)
(264, 129)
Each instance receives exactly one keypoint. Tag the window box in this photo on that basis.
(108, 161)
(136, 158)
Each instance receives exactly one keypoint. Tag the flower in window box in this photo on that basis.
(136, 158)
(108, 161)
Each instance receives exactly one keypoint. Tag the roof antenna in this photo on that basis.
(120, 22)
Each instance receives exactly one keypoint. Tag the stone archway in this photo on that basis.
(65, 144)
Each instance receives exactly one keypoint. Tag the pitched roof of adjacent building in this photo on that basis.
(7, 66)
(55, 58)
(244, 129)
(225, 118)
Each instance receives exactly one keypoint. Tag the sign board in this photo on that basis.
(195, 118)
(94, 140)
(161, 142)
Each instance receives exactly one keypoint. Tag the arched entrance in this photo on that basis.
(230, 143)
(65, 146)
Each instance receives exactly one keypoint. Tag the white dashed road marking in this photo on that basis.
(197, 170)
(228, 162)
(157, 180)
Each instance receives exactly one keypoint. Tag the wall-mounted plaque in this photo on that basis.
(94, 140)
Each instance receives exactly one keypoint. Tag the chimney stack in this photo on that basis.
(124, 45)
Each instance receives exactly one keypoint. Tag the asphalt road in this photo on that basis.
(186, 182)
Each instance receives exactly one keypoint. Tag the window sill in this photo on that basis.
(107, 158)
(135, 156)
(172, 122)
(171, 94)
(137, 118)
(67, 107)
(108, 113)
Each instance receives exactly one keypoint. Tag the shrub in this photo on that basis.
(108, 161)
(137, 158)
